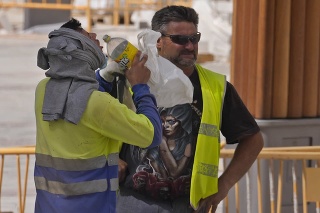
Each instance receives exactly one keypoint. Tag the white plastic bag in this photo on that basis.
(167, 82)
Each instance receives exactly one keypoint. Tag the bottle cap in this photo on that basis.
(106, 38)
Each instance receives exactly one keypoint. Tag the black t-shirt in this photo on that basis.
(164, 172)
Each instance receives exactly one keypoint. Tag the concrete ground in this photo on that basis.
(19, 76)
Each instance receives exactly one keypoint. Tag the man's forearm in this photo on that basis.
(245, 155)
(146, 104)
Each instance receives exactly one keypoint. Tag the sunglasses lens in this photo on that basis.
(195, 39)
(183, 40)
(179, 39)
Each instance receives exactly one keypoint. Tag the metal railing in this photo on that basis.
(262, 186)
(116, 7)
(294, 169)
(22, 182)
(53, 5)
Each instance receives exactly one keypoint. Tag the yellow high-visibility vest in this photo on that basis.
(204, 180)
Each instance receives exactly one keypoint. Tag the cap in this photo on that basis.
(106, 38)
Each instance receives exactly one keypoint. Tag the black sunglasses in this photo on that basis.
(183, 39)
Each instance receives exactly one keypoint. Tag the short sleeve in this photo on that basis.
(237, 121)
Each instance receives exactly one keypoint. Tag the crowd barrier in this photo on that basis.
(261, 190)
(22, 181)
(52, 5)
(278, 170)
(93, 8)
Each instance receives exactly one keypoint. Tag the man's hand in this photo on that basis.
(138, 73)
(213, 200)
(122, 170)
(110, 71)
(245, 154)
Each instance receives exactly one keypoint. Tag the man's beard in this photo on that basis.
(183, 62)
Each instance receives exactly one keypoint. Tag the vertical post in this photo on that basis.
(311, 67)
(279, 198)
(318, 114)
(317, 202)
(271, 186)
(296, 64)
(25, 182)
(294, 187)
(243, 78)
(237, 72)
(1, 176)
(281, 59)
(259, 186)
(248, 192)
(127, 12)
(88, 15)
(265, 48)
(226, 200)
(252, 58)
(19, 183)
(116, 8)
(237, 191)
(304, 193)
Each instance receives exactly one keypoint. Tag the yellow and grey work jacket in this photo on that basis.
(76, 167)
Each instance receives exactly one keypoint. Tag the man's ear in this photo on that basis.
(159, 43)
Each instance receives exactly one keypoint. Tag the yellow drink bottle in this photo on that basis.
(120, 50)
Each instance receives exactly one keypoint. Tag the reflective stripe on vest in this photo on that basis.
(76, 164)
(72, 189)
(209, 130)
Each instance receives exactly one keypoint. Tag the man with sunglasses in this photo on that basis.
(171, 179)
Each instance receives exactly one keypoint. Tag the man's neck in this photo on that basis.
(188, 71)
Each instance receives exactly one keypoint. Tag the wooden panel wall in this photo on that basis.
(275, 57)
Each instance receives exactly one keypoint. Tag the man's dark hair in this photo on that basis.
(73, 24)
(173, 13)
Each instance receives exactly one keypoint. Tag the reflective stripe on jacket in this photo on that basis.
(75, 165)
(204, 181)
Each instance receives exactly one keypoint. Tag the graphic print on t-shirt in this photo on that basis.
(164, 172)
